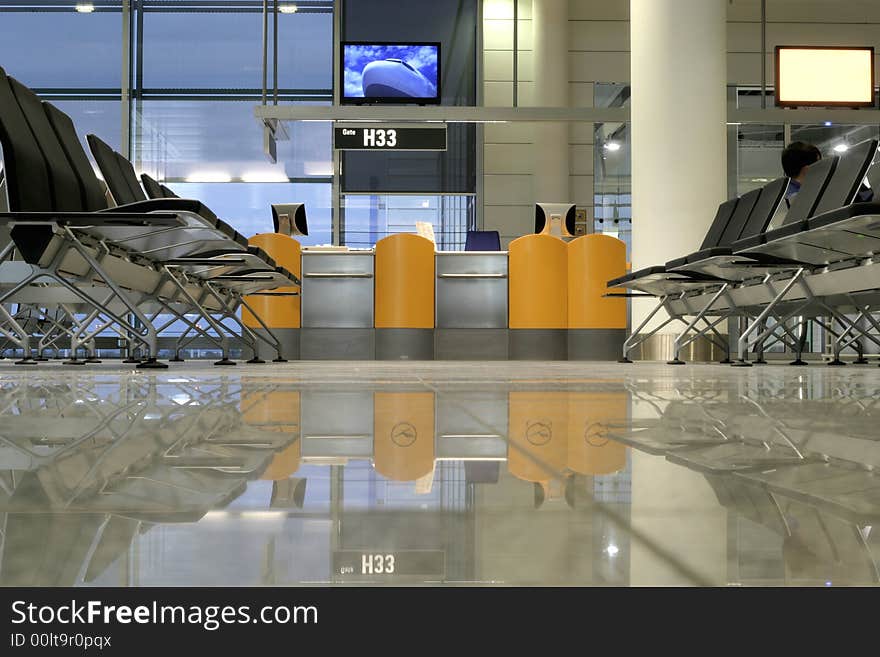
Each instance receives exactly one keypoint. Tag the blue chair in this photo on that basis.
(482, 240)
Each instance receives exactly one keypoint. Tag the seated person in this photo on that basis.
(796, 159)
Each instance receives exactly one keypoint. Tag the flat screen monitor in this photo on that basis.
(824, 76)
(384, 73)
(557, 219)
(290, 219)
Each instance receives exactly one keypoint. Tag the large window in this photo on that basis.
(219, 47)
(72, 58)
(192, 75)
(612, 168)
(246, 205)
(50, 45)
(197, 77)
(219, 140)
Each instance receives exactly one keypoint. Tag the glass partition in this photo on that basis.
(368, 218)
(612, 168)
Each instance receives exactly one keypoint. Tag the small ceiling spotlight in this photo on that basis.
(287, 9)
(841, 148)
(84, 7)
(612, 146)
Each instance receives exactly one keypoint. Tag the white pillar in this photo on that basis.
(550, 58)
(679, 173)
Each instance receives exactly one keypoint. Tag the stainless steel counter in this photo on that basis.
(337, 305)
(471, 310)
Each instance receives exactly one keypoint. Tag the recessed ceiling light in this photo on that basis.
(85, 7)
(287, 9)
(841, 148)
(612, 146)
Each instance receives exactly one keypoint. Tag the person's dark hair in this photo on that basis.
(797, 155)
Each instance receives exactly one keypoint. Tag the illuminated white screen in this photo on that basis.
(820, 76)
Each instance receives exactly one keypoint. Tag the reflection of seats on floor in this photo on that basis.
(786, 461)
(817, 544)
(159, 453)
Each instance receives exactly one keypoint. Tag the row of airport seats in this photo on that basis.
(818, 264)
(550, 295)
(73, 265)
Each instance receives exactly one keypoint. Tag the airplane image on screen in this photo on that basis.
(396, 79)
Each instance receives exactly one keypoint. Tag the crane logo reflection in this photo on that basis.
(539, 432)
(404, 434)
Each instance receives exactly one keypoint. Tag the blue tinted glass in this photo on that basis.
(62, 49)
(224, 50)
(369, 218)
(383, 71)
(98, 117)
(247, 205)
(221, 140)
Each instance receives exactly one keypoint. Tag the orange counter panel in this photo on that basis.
(283, 312)
(593, 260)
(538, 285)
(404, 282)
(403, 434)
(538, 434)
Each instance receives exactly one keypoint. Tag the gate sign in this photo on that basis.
(390, 138)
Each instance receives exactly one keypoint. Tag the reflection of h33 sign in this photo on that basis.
(404, 434)
(387, 138)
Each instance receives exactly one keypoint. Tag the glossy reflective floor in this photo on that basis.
(439, 473)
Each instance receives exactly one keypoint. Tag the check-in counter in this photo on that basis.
(538, 316)
(404, 298)
(278, 310)
(337, 305)
(471, 305)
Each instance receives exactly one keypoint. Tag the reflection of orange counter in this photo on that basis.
(403, 434)
(537, 430)
(276, 410)
(590, 452)
(280, 314)
(552, 434)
